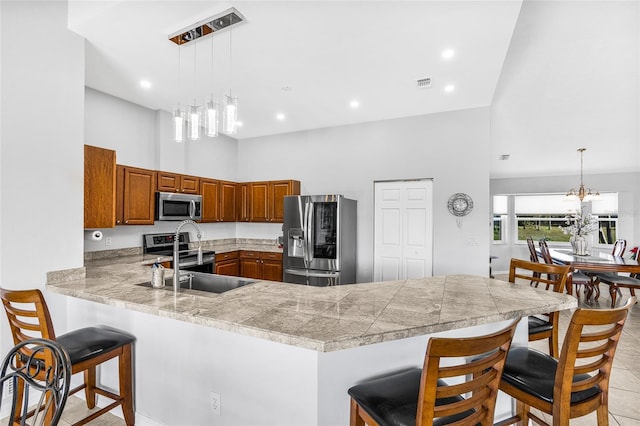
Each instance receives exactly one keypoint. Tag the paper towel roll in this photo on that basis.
(96, 235)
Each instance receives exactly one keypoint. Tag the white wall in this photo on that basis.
(41, 154)
(452, 148)
(571, 79)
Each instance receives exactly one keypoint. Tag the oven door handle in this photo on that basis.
(306, 273)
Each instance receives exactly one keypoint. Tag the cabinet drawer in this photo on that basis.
(247, 254)
(226, 256)
(270, 256)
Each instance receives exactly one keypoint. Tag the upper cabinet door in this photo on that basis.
(277, 191)
(99, 187)
(210, 190)
(139, 196)
(228, 195)
(243, 203)
(259, 208)
(189, 184)
(168, 182)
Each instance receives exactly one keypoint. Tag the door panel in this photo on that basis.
(403, 242)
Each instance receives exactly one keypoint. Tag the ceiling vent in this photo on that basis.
(216, 23)
(424, 83)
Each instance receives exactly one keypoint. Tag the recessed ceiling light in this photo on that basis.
(239, 123)
(286, 88)
(448, 53)
(145, 84)
(280, 116)
(354, 104)
(449, 88)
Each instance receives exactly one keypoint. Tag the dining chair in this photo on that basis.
(421, 396)
(613, 279)
(533, 256)
(575, 384)
(616, 282)
(87, 347)
(543, 326)
(39, 371)
(576, 278)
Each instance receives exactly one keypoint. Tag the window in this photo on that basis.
(541, 216)
(500, 203)
(605, 209)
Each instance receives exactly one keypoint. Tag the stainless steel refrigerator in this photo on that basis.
(319, 240)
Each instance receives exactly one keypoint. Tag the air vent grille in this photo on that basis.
(424, 83)
(208, 26)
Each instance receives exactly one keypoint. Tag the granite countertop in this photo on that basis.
(319, 318)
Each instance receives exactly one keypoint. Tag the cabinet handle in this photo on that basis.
(126, 221)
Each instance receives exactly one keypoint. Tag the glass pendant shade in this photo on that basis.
(211, 118)
(178, 124)
(230, 115)
(193, 122)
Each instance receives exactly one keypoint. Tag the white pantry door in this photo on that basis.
(403, 222)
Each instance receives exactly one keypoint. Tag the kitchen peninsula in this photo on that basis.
(281, 353)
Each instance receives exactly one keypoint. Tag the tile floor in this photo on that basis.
(624, 392)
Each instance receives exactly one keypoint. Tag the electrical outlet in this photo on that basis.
(107, 241)
(214, 403)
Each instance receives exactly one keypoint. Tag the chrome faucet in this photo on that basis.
(176, 251)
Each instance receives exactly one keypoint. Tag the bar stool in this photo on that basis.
(542, 326)
(419, 395)
(575, 384)
(87, 347)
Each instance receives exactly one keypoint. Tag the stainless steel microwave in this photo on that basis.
(170, 206)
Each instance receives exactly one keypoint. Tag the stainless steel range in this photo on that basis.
(162, 245)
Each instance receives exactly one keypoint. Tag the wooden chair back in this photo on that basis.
(544, 251)
(589, 347)
(556, 275)
(533, 256)
(619, 248)
(482, 377)
(28, 315)
(40, 381)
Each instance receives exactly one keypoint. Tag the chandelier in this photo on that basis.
(190, 118)
(583, 193)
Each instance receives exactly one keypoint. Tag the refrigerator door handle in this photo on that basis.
(305, 273)
(308, 210)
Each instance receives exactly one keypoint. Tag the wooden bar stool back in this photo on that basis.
(578, 382)
(87, 347)
(543, 326)
(421, 397)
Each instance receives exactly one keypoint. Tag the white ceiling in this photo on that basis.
(327, 52)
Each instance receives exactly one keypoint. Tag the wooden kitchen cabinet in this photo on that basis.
(99, 187)
(261, 265)
(174, 182)
(267, 199)
(135, 196)
(243, 202)
(228, 264)
(218, 200)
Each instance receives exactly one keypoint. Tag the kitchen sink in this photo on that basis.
(201, 281)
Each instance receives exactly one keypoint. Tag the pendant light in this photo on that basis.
(230, 113)
(195, 112)
(211, 108)
(178, 113)
(583, 193)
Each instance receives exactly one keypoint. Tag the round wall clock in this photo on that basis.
(460, 204)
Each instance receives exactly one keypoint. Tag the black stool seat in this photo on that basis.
(393, 399)
(537, 325)
(534, 372)
(89, 342)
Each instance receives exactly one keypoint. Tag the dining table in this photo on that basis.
(591, 264)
